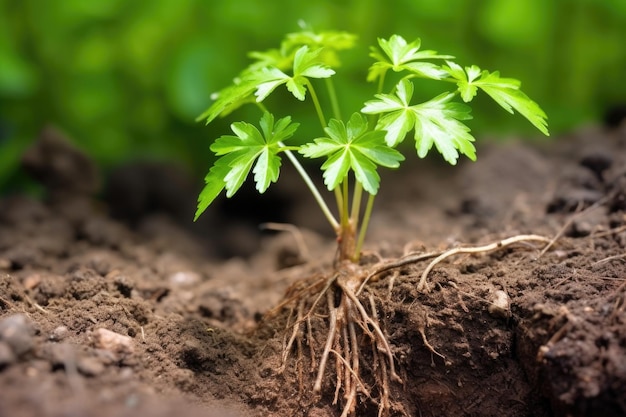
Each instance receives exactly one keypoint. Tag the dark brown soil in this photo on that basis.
(119, 306)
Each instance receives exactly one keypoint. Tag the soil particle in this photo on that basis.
(16, 332)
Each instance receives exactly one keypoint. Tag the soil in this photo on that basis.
(112, 303)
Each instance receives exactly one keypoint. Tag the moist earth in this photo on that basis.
(112, 302)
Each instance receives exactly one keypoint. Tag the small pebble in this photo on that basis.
(7, 357)
(500, 305)
(184, 278)
(17, 332)
(90, 366)
(32, 281)
(62, 355)
(113, 342)
(5, 264)
(59, 334)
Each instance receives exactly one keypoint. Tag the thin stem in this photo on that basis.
(366, 220)
(316, 194)
(316, 103)
(356, 204)
(339, 199)
(381, 83)
(261, 106)
(332, 94)
(345, 217)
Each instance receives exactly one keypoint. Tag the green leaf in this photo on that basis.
(261, 78)
(352, 147)
(504, 91)
(464, 79)
(305, 65)
(266, 169)
(240, 152)
(229, 99)
(214, 184)
(397, 54)
(330, 42)
(435, 122)
(397, 119)
(267, 79)
(270, 58)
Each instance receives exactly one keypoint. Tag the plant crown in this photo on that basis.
(370, 137)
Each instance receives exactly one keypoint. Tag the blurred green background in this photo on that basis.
(125, 79)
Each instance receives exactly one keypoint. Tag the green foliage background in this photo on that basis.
(126, 79)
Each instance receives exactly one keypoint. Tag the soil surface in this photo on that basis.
(112, 303)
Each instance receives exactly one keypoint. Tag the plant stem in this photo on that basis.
(346, 236)
(316, 194)
(261, 106)
(381, 83)
(366, 220)
(332, 94)
(345, 209)
(316, 103)
(356, 204)
(339, 199)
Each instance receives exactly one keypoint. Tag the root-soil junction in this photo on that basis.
(339, 310)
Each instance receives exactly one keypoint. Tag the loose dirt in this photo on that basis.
(112, 303)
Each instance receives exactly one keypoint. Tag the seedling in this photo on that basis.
(368, 139)
(354, 149)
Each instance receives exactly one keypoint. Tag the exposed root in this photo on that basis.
(405, 260)
(338, 310)
(351, 331)
(621, 256)
(413, 258)
(479, 249)
(429, 346)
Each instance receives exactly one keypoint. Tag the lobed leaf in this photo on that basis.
(397, 54)
(436, 122)
(305, 65)
(329, 42)
(504, 91)
(214, 184)
(464, 79)
(229, 99)
(267, 73)
(267, 79)
(266, 169)
(352, 147)
(276, 58)
(397, 119)
(239, 153)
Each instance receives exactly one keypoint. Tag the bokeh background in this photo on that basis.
(126, 79)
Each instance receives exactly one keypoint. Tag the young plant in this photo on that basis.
(338, 312)
(306, 61)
